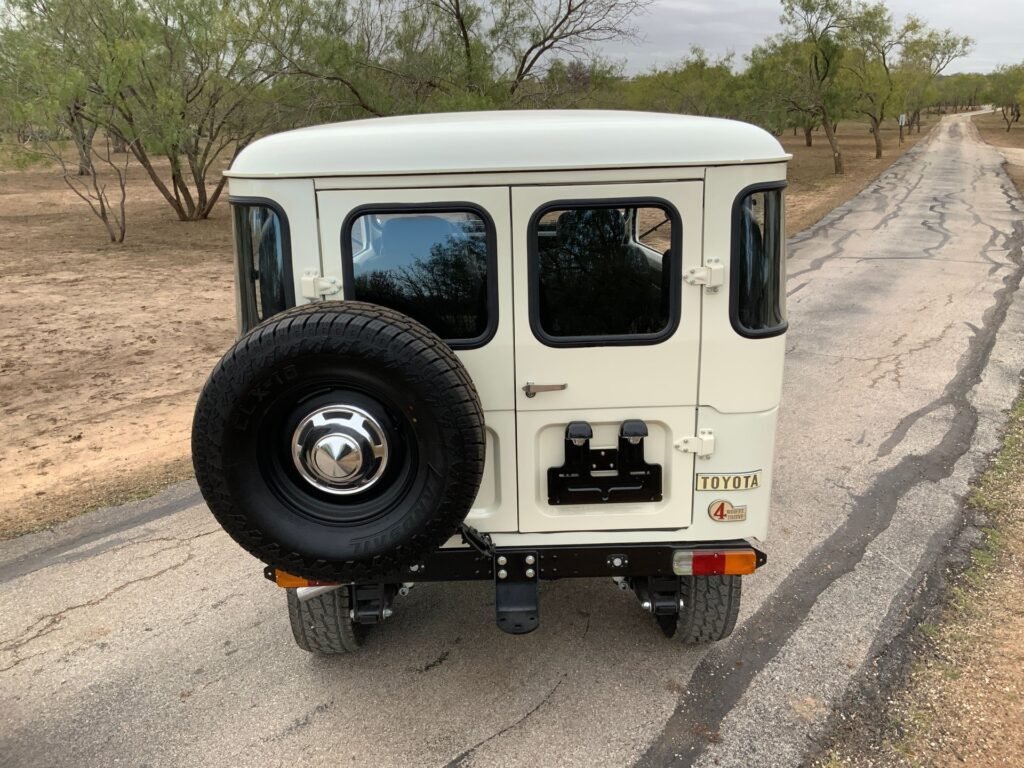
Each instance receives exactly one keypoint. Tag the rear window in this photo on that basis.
(604, 273)
(264, 261)
(433, 264)
(758, 295)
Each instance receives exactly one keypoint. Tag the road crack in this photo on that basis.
(52, 622)
(461, 760)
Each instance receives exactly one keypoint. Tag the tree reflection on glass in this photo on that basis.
(447, 291)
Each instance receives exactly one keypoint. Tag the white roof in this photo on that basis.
(469, 142)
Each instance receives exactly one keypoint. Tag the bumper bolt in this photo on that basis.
(530, 560)
(530, 573)
(502, 574)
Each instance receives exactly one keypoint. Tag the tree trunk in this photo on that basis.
(833, 142)
(875, 125)
(84, 161)
(120, 147)
(808, 137)
(82, 134)
(143, 157)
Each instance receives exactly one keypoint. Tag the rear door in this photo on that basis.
(612, 334)
(441, 257)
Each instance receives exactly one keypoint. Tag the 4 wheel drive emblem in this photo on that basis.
(740, 481)
(725, 512)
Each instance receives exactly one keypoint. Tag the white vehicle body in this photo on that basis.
(708, 393)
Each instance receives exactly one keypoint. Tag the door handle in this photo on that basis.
(532, 389)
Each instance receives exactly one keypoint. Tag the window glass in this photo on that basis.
(604, 271)
(760, 264)
(265, 272)
(430, 265)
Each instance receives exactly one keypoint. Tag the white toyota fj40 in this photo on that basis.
(512, 346)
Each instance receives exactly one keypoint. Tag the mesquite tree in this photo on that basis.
(177, 80)
(813, 61)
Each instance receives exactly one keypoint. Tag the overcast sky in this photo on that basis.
(670, 27)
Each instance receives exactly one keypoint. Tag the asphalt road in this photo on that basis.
(143, 636)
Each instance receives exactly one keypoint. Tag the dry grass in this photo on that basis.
(103, 348)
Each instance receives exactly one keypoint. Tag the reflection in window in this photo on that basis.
(430, 266)
(603, 271)
(264, 269)
(760, 264)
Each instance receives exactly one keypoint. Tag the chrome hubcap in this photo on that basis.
(340, 449)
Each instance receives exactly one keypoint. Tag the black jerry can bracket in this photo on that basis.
(604, 475)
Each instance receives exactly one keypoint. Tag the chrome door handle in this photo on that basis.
(532, 389)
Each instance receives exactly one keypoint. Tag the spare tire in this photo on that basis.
(339, 441)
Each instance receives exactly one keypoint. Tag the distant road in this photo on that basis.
(144, 636)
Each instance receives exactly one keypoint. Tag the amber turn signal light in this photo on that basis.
(288, 581)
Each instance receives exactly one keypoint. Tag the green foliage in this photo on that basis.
(696, 85)
(1006, 92)
(181, 79)
(391, 57)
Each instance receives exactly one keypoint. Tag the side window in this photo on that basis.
(264, 261)
(604, 273)
(758, 300)
(433, 265)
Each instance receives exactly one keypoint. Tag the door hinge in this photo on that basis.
(315, 287)
(703, 444)
(711, 275)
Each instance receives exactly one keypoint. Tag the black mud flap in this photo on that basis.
(516, 592)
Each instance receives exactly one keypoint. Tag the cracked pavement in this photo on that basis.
(142, 635)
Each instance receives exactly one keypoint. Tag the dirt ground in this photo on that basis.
(103, 348)
(993, 130)
(963, 704)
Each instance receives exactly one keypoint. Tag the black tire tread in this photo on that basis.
(711, 605)
(322, 625)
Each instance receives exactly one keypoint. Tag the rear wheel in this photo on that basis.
(709, 607)
(322, 625)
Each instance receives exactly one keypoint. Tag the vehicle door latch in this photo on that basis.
(532, 389)
(316, 287)
(711, 275)
(703, 444)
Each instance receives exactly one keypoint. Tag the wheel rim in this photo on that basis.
(340, 449)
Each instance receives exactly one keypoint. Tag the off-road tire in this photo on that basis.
(710, 607)
(369, 354)
(322, 625)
